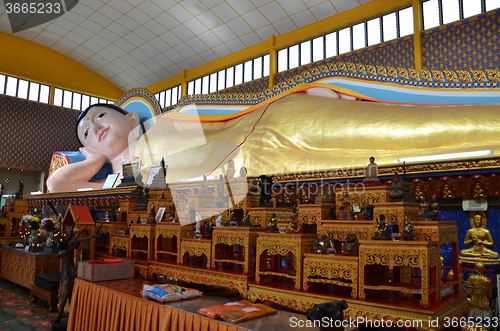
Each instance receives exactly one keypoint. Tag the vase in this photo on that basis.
(396, 236)
(331, 251)
(50, 239)
(33, 238)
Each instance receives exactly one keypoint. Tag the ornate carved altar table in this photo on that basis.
(168, 238)
(119, 241)
(409, 254)
(262, 215)
(370, 196)
(198, 248)
(132, 216)
(444, 232)
(109, 228)
(395, 213)
(332, 269)
(142, 240)
(279, 246)
(225, 238)
(338, 230)
(314, 213)
(21, 267)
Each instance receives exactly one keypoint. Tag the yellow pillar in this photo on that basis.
(51, 95)
(184, 84)
(273, 61)
(417, 34)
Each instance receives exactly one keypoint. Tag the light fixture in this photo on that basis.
(36, 192)
(438, 157)
(85, 189)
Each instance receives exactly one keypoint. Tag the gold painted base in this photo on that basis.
(479, 260)
(433, 318)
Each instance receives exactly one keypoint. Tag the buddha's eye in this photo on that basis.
(86, 133)
(100, 115)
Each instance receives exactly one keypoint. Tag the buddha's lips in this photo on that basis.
(102, 134)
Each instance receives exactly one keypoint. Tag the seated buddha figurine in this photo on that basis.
(272, 227)
(396, 193)
(203, 190)
(481, 238)
(325, 195)
(423, 211)
(371, 173)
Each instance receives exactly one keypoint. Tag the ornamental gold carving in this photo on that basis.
(393, 260)
(139, 233)
(274, 249)
(329, 272)
(166, 234)
(226, 240)
(194, 251)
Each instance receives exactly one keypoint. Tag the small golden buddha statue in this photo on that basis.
(478, 192)
(447, 193)
(418, 195)
(481, 238)
(231, 170)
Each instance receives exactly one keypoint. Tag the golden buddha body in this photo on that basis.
(480, 238)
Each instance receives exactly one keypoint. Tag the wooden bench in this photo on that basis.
(50, 297)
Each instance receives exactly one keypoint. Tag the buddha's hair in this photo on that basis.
(84, 113)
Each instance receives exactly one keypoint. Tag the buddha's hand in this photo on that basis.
(93, 155)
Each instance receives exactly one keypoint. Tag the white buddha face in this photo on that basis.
(107, 130)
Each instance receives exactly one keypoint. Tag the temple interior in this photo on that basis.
(317, 159)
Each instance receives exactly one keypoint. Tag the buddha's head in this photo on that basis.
(106, 128)
(478, 221)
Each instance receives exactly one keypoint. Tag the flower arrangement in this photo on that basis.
(48, 224)
(33, 222)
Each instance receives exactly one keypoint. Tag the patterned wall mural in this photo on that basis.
(398, 53)
(254, 86)
(31, 131)
(471, 44)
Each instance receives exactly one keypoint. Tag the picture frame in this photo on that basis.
(110, 181)
(160, 213)
(153, 171)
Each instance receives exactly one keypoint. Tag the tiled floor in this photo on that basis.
(18, 313)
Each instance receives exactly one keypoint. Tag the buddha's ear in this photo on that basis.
(134, 117)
